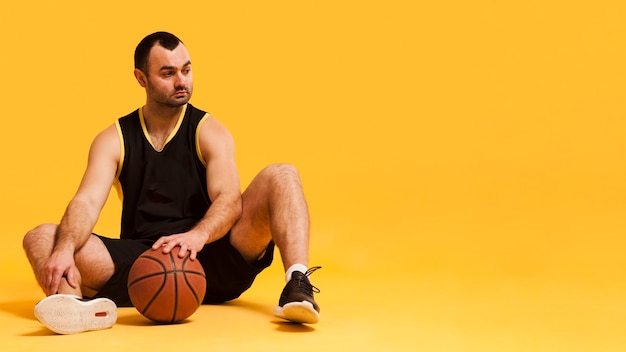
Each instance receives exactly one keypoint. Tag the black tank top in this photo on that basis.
(163, 192)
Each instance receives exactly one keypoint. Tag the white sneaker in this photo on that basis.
(69, 314)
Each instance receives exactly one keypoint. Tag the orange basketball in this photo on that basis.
(164, 287)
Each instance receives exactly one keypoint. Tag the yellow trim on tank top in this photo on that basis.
(198, 151)
(116, 184)
(172, 134)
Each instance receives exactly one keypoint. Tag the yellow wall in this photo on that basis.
(480, 138)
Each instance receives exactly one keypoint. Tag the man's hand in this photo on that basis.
(188, 241)
(60, 265)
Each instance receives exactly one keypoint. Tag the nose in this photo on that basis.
(181, 80)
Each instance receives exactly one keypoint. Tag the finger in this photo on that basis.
(45, 284)
(193, 254)
(159, 243)
(183, 250)
(169, 246)
(53, 287)
(71, 279)
(43, 279)
(47, 281)
(188, 249)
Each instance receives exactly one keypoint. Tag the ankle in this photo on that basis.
(296, 267)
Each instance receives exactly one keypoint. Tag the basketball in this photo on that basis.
(164, 287)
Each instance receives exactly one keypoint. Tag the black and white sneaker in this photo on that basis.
(69, 314)
(296, 302)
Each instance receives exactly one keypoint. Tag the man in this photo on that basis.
(174, 167)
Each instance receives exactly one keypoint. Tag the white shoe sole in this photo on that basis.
(67, 314)
(298, 312)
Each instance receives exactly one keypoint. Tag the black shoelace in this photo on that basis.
(305, 286)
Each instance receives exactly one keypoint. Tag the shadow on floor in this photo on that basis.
(129, 316)
(22, 309)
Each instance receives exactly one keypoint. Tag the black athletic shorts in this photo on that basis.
(228, 275)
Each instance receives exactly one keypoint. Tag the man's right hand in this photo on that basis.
(58, 267)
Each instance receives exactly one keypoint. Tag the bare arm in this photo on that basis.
(218, 149)
(83, 210)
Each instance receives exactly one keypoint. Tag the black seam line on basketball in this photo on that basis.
(145, 277)
(156, 294)
(149, 275)
(194, 272)
(175, 288)
(189, 285)
(191, 288)
(166, 273)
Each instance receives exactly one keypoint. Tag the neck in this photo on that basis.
(161, 118)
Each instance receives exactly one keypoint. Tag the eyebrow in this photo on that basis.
(166, 68)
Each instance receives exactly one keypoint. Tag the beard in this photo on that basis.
(173, 98)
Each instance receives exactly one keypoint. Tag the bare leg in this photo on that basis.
(274, 208)
(63, 313)
(93, 261)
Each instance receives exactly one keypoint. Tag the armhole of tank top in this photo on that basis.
(117, 184)
(198, 151)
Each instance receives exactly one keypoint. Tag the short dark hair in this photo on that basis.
(164, 39)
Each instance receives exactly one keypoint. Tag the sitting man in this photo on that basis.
(174, 167)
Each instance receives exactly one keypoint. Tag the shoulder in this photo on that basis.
(211, 129)
(213, 136)
(107, 142)
(108, 135)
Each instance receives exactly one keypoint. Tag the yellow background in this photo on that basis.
(464, 161)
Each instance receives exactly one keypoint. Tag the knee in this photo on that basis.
(282, 173)
(40, 233)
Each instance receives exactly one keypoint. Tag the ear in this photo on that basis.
(141, 77)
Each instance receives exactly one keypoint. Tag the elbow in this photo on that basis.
(237, 207)
(230, 205)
